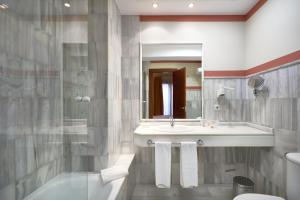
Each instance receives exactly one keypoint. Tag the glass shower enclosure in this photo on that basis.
(44, 99)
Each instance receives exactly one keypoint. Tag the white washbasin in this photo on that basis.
(231, 134)
(170, 129)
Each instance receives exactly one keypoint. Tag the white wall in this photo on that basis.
(273, 31)
(223, 42)
(192, 77)
(171, 52)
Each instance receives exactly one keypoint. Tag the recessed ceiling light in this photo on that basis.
(3, 6)
(191, 5)
(155, 5)
(68, 5)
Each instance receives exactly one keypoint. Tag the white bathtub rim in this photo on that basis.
(125, 160)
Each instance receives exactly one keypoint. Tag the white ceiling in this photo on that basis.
(180, 7)
(78, 7)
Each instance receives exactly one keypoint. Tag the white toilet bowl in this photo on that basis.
(256, 197)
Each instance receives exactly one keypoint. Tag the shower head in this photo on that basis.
(256, 82)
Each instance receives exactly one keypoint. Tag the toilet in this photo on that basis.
(293, 182)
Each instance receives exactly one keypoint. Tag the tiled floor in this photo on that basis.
(203, 192)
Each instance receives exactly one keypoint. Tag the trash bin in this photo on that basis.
(242, 185)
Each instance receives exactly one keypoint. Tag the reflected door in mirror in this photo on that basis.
(179, 94)
(160, 93)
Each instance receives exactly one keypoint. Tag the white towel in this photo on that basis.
(188, 165)
(113, 173)
(163, 164)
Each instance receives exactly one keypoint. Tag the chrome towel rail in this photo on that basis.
(199, 142)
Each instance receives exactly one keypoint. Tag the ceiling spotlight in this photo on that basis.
(191, 5)
(3, 6)
(155, 5)
(68, 5)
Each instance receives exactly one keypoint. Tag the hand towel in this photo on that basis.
(163, 164)
(113, 173)
(188, 165)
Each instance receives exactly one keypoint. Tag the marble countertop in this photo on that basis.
(230, 128)
(224, 134)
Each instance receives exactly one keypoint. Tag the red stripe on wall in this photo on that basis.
(193, 87)
(232, 73)
(176, 61)
(255, 8)
(273, 64)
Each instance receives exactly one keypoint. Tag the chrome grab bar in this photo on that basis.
(199, 142)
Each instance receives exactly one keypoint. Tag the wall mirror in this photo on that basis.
(171, 81)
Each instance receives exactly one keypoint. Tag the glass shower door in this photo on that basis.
(76, 96)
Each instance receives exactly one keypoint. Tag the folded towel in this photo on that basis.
(188, 165)
(86, 99)
(163, 164)
(113, 173)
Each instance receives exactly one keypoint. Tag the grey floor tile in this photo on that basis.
(203, 192)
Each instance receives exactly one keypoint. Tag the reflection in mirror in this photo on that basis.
(76, 78)
(172, 77)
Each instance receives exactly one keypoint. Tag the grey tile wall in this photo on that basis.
(102, 145)
(114, 80)
(232, 105)
(280, 110)
(128, 186)
(215, 165)
(31, 137)
(98, 64)
(193, 104)
(130, 80)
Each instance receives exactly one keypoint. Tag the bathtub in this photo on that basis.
(81, 186)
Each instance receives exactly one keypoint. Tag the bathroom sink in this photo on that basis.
(230, 134)
(172, 129)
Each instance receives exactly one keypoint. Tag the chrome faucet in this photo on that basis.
(172, 121)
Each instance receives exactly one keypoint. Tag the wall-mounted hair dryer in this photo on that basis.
(221, 90)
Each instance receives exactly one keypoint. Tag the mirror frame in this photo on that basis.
(141, 85)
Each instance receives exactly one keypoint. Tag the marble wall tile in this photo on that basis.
(8, 192)
(130, 80)
(298, 123)
(285, 141)
(215, 165)
(7, 169)
(30, 97)
(128, 186)
(232, 106)
(104, 61)
(280, 111)
(193, 105)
